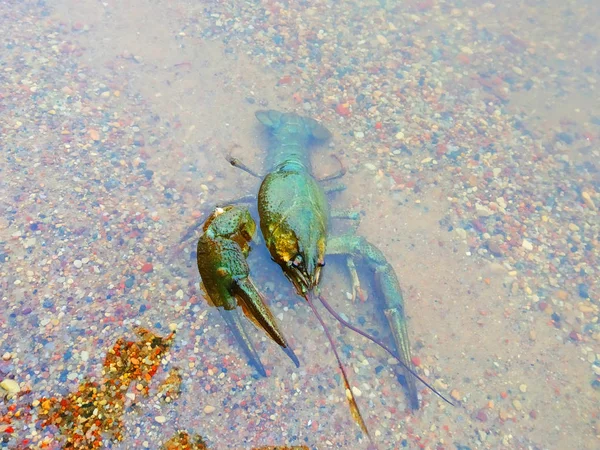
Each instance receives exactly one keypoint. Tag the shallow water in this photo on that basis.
(470, 132)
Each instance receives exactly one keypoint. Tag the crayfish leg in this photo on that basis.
(388, 288)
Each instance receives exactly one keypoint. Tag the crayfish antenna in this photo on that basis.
(349, 394)
(376, 341)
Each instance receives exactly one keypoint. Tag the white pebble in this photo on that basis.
(77, 263)
(527, 245)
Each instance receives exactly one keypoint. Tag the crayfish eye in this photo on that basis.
(297, 261)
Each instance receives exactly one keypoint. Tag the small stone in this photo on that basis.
(587, 199)
(517, 404)
(371, 167)
(532, 335)
(440, 385)
(160, 419)
(209, 409)
(527, 245)
(6, 356)
(565, 137)
(147, 268)
(573, 227)
(562, 295)
(84, 355)
(455, 394)
(94, 135)
(481, 416)
(77, 263)
(356, 391)
(382, 40)
(523, 388)
(494, 246)
(11, 387)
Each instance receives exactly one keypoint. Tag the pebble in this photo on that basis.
(517, 404)
(209, 409)
(94, 135)
(6, 356)
(523, 388)
(527, 245)
(11, 387)
(455, 394)
(382, 39)
(78, 263)
(481, 416)
(587, 199)
(160, 419)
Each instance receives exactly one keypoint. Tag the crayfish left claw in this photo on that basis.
(221, 257)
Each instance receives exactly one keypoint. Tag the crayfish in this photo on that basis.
(295, 222)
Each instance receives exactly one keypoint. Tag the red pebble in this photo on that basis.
(542, 306)
(378, 126)
(147, 268)
(416, 361)
(285, 80)
(343, 109)
(533, 414)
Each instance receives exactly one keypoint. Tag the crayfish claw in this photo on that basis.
(258, 312)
